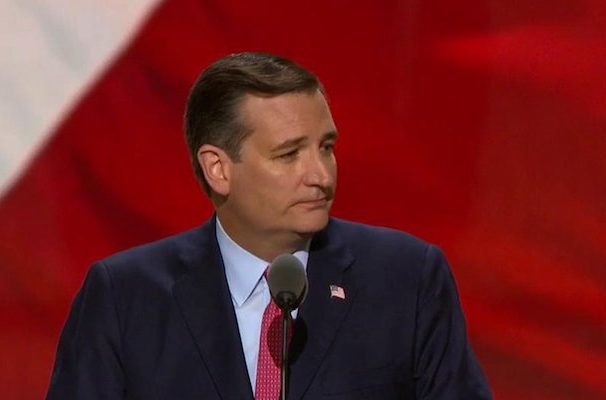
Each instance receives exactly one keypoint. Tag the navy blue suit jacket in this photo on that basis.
(157, 322)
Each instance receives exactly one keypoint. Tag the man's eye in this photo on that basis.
(290, 155)
(328, 147)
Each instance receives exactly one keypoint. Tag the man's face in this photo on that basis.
(285, 180)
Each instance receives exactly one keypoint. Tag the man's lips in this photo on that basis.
(314, 202)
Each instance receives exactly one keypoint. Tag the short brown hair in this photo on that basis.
(212, 115)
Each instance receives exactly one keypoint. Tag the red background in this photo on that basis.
(477, 125)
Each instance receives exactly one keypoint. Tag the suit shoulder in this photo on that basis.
(160, 260)
(394, 250)
(168, 246)
(369, 235)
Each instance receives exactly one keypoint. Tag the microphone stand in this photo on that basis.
(286, 322)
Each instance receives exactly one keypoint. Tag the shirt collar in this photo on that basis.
(243, 269)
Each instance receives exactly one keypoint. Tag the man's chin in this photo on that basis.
(312, 225)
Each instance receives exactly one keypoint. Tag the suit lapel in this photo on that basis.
(321, 314)
(203, 296)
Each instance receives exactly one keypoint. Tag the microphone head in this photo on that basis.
(287, 281)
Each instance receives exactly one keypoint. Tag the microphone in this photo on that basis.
(287, 282)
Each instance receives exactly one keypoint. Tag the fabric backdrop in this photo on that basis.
(477, 125)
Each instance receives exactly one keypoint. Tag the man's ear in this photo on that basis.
(216, 166)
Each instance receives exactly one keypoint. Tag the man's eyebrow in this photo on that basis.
(332, 135)
(289, 143)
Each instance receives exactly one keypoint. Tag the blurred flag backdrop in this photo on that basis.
(478, 125)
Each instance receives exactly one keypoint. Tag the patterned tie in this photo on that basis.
(270, 354)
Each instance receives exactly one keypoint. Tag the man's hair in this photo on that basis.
(212, 115)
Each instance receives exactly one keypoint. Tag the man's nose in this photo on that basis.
(319, 171)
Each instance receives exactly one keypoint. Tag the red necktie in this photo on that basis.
(270, 354)
(269, 371)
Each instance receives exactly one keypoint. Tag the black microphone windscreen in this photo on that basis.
(287, 281)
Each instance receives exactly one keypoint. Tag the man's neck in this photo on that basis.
(265, 245)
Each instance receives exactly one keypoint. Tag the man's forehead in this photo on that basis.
(288, 111)
(279, 102)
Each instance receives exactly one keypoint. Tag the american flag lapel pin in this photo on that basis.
(337, 291)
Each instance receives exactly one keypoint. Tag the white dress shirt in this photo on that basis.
(249, 294)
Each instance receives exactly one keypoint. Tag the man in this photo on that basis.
(184, 318)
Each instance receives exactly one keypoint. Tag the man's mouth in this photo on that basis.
(314, 203)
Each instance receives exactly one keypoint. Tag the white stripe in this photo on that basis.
(50, 51)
